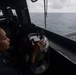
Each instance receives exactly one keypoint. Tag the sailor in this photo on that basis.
(6, 62)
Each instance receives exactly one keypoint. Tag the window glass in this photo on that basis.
(36, 12)
(61, 17)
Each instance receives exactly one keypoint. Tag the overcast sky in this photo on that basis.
(53, 6)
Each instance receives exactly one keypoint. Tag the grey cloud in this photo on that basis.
(63, 0)
(57, 4)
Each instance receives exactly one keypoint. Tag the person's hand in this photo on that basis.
(36, 49)
(38, 46)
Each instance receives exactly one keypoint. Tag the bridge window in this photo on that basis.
(61, 17)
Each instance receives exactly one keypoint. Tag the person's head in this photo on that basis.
(4, 40)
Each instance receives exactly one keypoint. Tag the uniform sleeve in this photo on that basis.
(30, 70)
(9, 71)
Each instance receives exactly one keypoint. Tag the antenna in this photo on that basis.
(45, 11)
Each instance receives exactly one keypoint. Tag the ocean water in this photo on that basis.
(61, 23)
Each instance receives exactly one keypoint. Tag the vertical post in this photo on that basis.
(45, 13)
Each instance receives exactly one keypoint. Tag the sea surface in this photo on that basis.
(63, 24)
